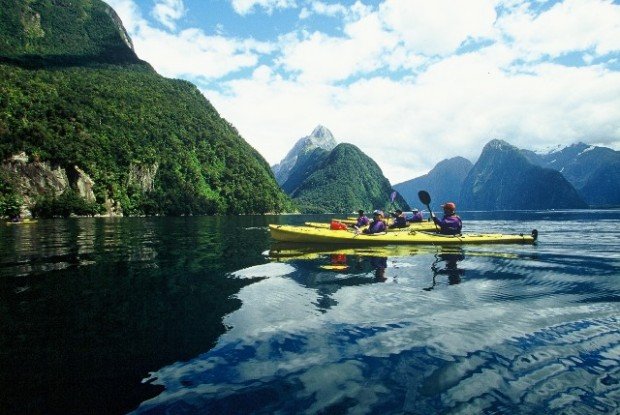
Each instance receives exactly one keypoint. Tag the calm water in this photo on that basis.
(207, 315)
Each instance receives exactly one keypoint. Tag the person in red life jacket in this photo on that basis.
(417, 216)
(377, 225)
(362, 220)
(399, 220)
(450, 224)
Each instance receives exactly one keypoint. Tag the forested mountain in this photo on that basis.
(593, 171)
(306, 165)
(503, 179)
(343, 181)
(321, 138)
(443, 182)
(89, 119)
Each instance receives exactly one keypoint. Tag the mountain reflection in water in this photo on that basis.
(206, 315)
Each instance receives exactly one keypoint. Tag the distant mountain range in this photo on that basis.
(443, 182)
(324, 177)
(505, 177)
(593, 171)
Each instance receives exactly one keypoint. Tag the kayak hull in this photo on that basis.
(308, 234)
(23, 222)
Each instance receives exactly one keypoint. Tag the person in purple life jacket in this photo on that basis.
(377, 225)
(450, 224)
(399, 220)
(362, 220)
(417, 216)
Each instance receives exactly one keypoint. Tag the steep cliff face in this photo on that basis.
(504, 179)
(75, 94)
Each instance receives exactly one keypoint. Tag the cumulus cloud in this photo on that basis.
(438, 27)
(168, 11)
(194, 54)
(319, 57)
(189, 53)
(244, 7)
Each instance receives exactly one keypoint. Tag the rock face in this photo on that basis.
(142, 176)
(321, 137)
(84, 185)
(34, 178)
(443, 182)
(504, 179)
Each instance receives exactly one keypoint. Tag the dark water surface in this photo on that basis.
(208, 316)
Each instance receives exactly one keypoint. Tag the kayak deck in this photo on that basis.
(308, 234)
(417, 226)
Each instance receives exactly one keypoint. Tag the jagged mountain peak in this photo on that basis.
(322, 132)
(320, 137)
(497, 144)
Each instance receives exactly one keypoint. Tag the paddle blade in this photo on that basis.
(425, 198)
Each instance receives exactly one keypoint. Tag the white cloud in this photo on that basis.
(438, 27)
(168, 11)
(322, 8)
(574, 25)
(318, 57)
(194, 54)
(189, 53)
(244, 7)
(129, 13)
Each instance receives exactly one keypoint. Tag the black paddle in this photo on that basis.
(425, 198)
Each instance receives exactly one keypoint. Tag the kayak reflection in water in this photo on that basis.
(450, 258)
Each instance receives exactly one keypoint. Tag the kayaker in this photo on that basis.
(417, 216)
(377, 225)
(450, 224)
(399, 220)
(379, 263)
(362, 220)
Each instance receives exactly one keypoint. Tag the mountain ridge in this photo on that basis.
(88, 101)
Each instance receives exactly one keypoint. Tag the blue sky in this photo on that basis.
(410, 82)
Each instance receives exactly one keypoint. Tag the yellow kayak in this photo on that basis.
(417, 226)
(23, 222)
(308, 234)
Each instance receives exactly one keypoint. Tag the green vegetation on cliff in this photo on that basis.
(72, 92)
(343, 181)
